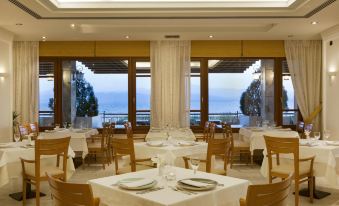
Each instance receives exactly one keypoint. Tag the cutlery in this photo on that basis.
(182, 191)
(150, 190)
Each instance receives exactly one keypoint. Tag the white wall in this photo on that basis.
(331, 84)
(6, 97)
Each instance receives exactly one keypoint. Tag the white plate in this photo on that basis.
(155, 143)
(186, 143)
(211, 184)
(143, 187)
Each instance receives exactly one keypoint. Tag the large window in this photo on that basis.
(94, 92)
(46, 93)
(195, 114)
(143, 93)
(240, 91)
(290, 110)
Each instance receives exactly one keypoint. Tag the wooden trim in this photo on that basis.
(278, 91)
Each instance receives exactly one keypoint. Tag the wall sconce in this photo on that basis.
(332, 73)
(2, 74)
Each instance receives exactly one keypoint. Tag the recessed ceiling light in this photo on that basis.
(290, 36)
(72, 26)
(43, 38)
(314, 22)
(210, 36)
(127, 37)
(19, 24)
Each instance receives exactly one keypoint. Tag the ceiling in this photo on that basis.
(32, 19)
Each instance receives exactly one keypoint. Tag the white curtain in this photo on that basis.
(26, 80)
(170, 84)
(304, 63)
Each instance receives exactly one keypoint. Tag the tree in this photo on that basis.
(250, 100)
(86, 102)
(51, 103)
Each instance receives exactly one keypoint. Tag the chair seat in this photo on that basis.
(94, 145)
(202, 168)
(52, 170)
(287, 168)
(139, 167)
(241, 144)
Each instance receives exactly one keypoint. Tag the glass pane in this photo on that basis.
(241, 91)
(288, 97)
(290, 117)
(94, 92)
(195, 93)
(46, 94)
(143, 93)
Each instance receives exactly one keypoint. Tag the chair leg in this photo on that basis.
(296, 192)
(232, 157)
(24, 190)
(37, 193)
(311, 187)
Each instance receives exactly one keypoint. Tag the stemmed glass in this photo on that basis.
(17, 138)
(307, 133)
(316, 135)
(194, 164)
(65, 125)
(327, 135)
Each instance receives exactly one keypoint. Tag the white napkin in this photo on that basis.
(186, 143)
(194, 183)
(137, 183)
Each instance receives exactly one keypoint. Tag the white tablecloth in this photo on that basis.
(325, 165)
(10, 164)
(227, 195)
(142, 150)
(78, 138)
(182, 134)
(255, 136)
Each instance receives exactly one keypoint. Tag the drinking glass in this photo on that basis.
(327, 135)
(65, 125)
(316, 135)
(307, 133)
(16, 137)
(194, 164)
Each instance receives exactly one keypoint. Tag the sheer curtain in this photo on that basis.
(304, 63)
(26, 80)
(170, 74)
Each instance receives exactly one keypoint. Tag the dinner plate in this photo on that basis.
(155, 143)
(186, 143)
(130, 180)
(210, 184)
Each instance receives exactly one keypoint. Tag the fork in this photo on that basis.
(150, 190)
(182, 190)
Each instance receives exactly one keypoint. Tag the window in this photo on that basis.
(46, 93)
(195, 115)
(143, 93)
(95, 92)
(240, 91)
(290, 110)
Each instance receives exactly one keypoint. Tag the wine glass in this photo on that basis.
(327, 135)
(17, 137)
(194, 164)
(307, 133)
(65, 125)
(316, 135)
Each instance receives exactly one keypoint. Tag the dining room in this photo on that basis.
(169, 103)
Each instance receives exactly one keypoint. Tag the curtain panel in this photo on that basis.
(170, 83)
(26, 80)
(304, 62)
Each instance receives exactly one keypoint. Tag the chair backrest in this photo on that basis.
(34, 128)
(228, 133)
(70, 194)
(107, 133)
(282, 145)
(23, 130)
(122, 147)
(57, 147)
(275, 194)
(211, 132)
(206, 131)
(129, 130)
(221, 147)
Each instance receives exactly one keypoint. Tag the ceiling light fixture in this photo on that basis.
(43, 38)
(127, 37)
(19, 24)
(72, 26)
(314, 22)
(210, 36)
(290, 36)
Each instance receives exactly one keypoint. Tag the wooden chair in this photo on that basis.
(33, 128)
(204, 135)
(23, 131)
(125, 147)
(239, 147)
(301, 168)
(211, 132)
(217, 148)
(129, 133)
(34, 173)
(69, 194)
(275, 194)
(102, 146)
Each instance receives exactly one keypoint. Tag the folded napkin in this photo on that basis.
(137, 183)
(194, 183)
(186, 143)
